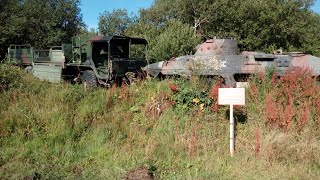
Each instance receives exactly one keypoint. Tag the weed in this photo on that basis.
(258, 141)
(58, 131)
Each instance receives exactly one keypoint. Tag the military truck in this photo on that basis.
(21, 55)
(48, 64)
(101, 59)
(94, 61)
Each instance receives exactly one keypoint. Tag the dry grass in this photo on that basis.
(58, 131)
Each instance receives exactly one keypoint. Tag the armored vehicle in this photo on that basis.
(220, 57)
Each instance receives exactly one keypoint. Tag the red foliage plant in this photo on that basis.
(214, 96)
(305, 115)
(114, 89)
(173, 87)
(192, 142)
(317, 106)
(291, 100)
(271, 110)
(124, 91)
(274, 77)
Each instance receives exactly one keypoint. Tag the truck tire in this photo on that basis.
(89, 79)
(28, 69)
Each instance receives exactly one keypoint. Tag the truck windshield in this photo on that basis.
(120, 48)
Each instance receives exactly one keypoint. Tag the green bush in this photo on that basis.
(11, 76)
(61, 131)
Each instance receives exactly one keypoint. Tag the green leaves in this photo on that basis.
(115, 22)
(194, 93)
(261, 25)
(42, 23)
(173, 39)
(177, 39)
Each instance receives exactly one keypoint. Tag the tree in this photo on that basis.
(171, 40)
(41, 23)
(115, 22)
(159, 13)
(261, 25)
(177, 39)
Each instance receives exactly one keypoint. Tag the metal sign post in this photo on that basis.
(231, 96)
(231, 131)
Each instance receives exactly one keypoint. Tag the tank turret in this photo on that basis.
(218, 47)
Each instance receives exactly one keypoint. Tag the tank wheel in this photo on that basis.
(89, 79)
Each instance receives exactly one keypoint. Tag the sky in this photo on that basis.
(316, 6)
(91, 9)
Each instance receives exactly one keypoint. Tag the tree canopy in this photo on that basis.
(258, 25)
(262, 25)
(172, 27)
(114, 22)
(41, 23)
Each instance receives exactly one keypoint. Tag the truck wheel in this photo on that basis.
(89, 79)
(28, 69)
(129, 78)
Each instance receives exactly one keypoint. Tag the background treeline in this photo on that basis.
(41, 23)
(172, 27)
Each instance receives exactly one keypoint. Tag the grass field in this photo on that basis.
(173, 128)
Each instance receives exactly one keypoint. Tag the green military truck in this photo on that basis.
(100, 59)
(48, 64)
(26, 56)
(21, 55)
(94, 61)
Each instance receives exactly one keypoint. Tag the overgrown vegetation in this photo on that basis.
(41, 23)
(264, 25)
(174, 127)
(172, 27)
(59, 131)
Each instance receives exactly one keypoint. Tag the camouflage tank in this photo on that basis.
(221, 57)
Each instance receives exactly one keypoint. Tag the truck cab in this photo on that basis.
(100, 59)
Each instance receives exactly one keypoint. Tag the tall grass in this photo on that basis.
(173, 128)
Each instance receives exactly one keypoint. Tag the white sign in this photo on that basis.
(234, 96)
(231, 96)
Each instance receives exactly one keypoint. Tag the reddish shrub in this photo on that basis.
(131, 92)
(291, 100)
(114, 89)
(261, 75)
(271, 110)
(253, 92)
(214, 96)
(191, 145)
(318, 107)
(305, 115)
(274, 77)
(215, 107)
(289, 113)
(124, 91)
(173, 88)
